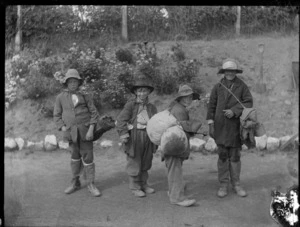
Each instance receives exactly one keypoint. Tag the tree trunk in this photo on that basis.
(18, 39)
(124, 24)
(238, 22)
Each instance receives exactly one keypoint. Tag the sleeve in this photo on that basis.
(92, 109)
(123, 118)
(57, 114)
(246, 99)
(212, 105)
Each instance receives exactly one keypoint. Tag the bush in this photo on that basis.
(124, 55)
(37, 86)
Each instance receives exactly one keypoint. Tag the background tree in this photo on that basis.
(18, 39)
(124, 24)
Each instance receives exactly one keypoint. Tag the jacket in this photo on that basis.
(77, 118)
(227, 131)
(181, 114)
(128, 116)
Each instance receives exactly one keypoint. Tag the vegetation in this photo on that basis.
(89, 32)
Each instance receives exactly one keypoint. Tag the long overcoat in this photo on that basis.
(76, 119)
(128, 116)
(227, 131)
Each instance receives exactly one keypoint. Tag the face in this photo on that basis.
(230, 75)
(186, 100)
(142, 92)
(73, 84)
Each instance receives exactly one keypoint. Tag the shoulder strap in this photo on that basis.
(232, 95)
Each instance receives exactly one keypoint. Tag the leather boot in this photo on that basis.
(235, 171)
(90, 176)
(76, 167)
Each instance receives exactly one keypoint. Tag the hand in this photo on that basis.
(211, 131)
(228, 113)
(89, 135)
(64, 128)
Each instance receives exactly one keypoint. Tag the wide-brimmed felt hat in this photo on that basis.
(186, 90)
(141, 82)
(230, 64)
(72, 73)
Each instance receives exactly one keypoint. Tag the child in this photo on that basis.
(131, 126)
(176, 185)
(75, 115)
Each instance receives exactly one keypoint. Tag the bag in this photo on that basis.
(104, 124)
(174, 142)
(158, 124)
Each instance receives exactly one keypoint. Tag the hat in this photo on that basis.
(141, 82)
(186, 90)
(71, 73)
(230, 64)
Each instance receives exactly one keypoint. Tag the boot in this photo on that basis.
(76, 168)
(75, 185)
(93, 190)
(90, 176)
(239, 191)
(235, 171)
(223, 176)
(223, 191)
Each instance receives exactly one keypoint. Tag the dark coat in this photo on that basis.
(76, 118)
(227, 131)
(129, 116)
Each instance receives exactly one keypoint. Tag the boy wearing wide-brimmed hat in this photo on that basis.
(131, 126)
(75, 115)
(178, 108)
(224, 125)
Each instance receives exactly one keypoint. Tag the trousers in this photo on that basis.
(229, 165)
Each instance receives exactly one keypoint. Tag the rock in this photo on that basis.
(297, 141)
(288, 102)
(63, 145)
(197, 144)
(244, 147)
(37, 146)
(106, 143)
(261, 142)
(10, 144)
(20, 143)
(50, 143)
(211, 145)
(272, 143)
(120, 144)
(284, 139)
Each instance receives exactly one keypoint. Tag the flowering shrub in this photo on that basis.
(10, 88)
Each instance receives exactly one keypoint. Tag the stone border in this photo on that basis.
(50, 143)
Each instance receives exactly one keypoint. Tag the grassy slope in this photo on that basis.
(26, 121)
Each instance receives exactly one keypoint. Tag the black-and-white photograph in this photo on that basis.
(151, 116)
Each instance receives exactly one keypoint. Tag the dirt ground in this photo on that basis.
(35, 181)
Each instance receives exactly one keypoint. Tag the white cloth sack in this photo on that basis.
(174, 142)
(158, 124)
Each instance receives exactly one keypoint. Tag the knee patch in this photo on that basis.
(223, 156)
